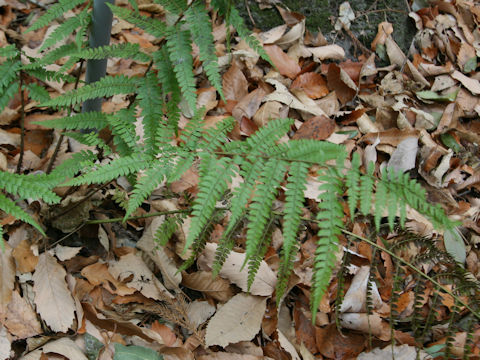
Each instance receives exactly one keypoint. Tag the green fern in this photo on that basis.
(8, 72)
(66, 29)
(106, 86)
(13, 209)
(54, 12)
(89, 120)
(26, 187)
(119, 167)
(127, 51)
(214, 177)
(175, 7)
(7, 94)
(152, 26)
(260, 209)
(8, 52)
(180, 52)
(294, 197)
(352, 182)
(330, 224)
(199, 22)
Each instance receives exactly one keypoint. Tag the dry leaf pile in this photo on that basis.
(95, 285)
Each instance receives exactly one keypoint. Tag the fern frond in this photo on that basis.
(175, 7)
(46, 75)
(263, 139)
(214, 177)
(255, 260)
(37, 92)
(214, 138)
(180, 52)
(151, 101)
(27, 186)
(54, 12)
(170, 86)
(183, 163)
(9, 207)
(149, 181)
(330, 225)
(125, 51)
(153, 26)
(66, 28)
(122, 124)
(119, 167)
(381, 198)
(87, 120)
(168, 228)
(366, 189)
(199, 22)
(7, 94)
(312, 151)
(68, 168)
(90, 139)
(294, 198)
(260, 208)
(352, 180)
(106, 86)
(8, 72)
(51, 56)
(9, 51)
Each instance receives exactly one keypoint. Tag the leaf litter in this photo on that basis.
(417, 112)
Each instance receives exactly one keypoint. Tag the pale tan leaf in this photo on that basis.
(395, 54)
(51, 294)
(281, 94)
(364, 323)
(7, 138)
(272, 35)
(63, 346)
(327, 52)
(264, 282)
(7, 276)
(139, 276)
(169, 270)
(269, 111)
(356, 297)
(384, 29)
(66, 252)
(5, 343)
(98, 274)
(21, 320)
(400, 352)
(238, 320)
(471, 84)
(199, 312)
(287, 345)
(230, 356)
(295, 33)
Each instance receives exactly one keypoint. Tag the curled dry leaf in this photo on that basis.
(327, 52)
(384, 29)
(238, 320)
(203, 281)
(364, 323)
(356, 297)
(312, 83)
(248, 105)
(135, 272)
(51, 294)
(269, 111)
(285, 64)
(234, 83)
(264, 282)
(339, 81)
(471, 84)
(21, 320)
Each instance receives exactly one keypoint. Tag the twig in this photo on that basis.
(22, 125)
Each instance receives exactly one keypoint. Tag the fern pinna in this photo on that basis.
(266, 165)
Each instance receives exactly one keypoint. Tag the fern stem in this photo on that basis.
(414, 268)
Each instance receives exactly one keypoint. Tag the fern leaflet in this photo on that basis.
(54, 12)
(87, 120)
(352, 182)
(152, 26)
(294, 197)
(13, 209)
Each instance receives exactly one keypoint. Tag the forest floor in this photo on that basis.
(114, 294)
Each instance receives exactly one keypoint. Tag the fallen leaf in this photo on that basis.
(285, 64)
(400, 352)
(472, 85)
(248, 105)
(367, 323)
(317, 128)
(234, 83)
(203, 281)
(238, 320)
(98, 274)
(269, 111)
(232, 269)
(355, 299)
(312, 83)
(51, 294)
(21, 320)
(341, 83)
(7, 274)
(404, 156)
(327, 52)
